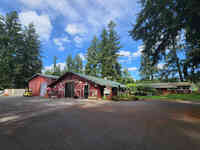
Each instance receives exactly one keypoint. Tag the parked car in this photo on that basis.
(27, 93)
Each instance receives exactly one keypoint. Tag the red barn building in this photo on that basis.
(39, 83)
(83, 86)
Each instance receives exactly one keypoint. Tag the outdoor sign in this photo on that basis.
(107, 91)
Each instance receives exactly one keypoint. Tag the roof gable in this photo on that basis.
(96, 80)
(43, 75)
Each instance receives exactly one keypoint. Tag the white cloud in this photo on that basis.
(65, 39)
(130, 56)
(62, 66)
(74, 29)
(139, 51)
(124, 53)
(42, 23)
(132, 69)
(63, 7)
(93, 14)
(82, 56)
(160, 65)
(60, 42)
(78, 41)
(123, 60)
(32, 3)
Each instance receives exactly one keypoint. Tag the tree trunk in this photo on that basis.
(179, 70)
(178, 64)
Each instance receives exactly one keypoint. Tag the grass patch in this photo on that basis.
(195, 97)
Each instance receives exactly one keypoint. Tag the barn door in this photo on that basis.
(69, 89)
(86, 91)
(43, 89)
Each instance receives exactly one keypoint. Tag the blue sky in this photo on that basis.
(67, 26)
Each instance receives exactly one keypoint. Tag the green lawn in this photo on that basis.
(188, 97)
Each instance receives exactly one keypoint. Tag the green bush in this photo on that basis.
(132, 87)
(115, 98)
(145, 91)
(125, 98)
(104, 97)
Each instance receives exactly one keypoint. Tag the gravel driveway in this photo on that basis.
(64, 124)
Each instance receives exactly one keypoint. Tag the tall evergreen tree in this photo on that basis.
(174, 64)
(19, 52)
(29, 57)
(109, 47)
(9, 49)
(126, 77)
(148, 70)
(160, 22)
(92, 66)
(70, 63)
(114, 47)
(56, 69)
(103, 54)
(78, 64)
(55, 63)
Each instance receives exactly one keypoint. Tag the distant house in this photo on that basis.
(83, 86)
(172, 87)
(39, 83)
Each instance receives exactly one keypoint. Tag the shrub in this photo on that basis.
(125, 98)
(145, 90)
(132, 87)
(104, 97)
(115, 98)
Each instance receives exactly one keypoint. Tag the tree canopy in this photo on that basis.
(20, 53)
(72, 65)
(158, 25)
(102, 55)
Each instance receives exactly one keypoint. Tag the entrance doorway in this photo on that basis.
(86, 91)
(43, 89)
(69, 89)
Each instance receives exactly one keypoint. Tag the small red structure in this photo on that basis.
(39, 83)
(83, 86)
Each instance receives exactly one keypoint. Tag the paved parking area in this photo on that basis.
(60, 124)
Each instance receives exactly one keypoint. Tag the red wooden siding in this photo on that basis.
(79, 84)
(36, 82)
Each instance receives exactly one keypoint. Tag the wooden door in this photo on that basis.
(86, 91)
(43, 89)
(69, 89)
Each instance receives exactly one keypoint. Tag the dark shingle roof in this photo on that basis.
(96, 80)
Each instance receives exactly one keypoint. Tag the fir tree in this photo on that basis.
(78, 64)
(109, 47)
(160, 22)
(103, 54)
(19, 52)
(70, 63)
(93, 58)
(114, 47)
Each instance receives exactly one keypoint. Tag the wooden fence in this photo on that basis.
(14, 92)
